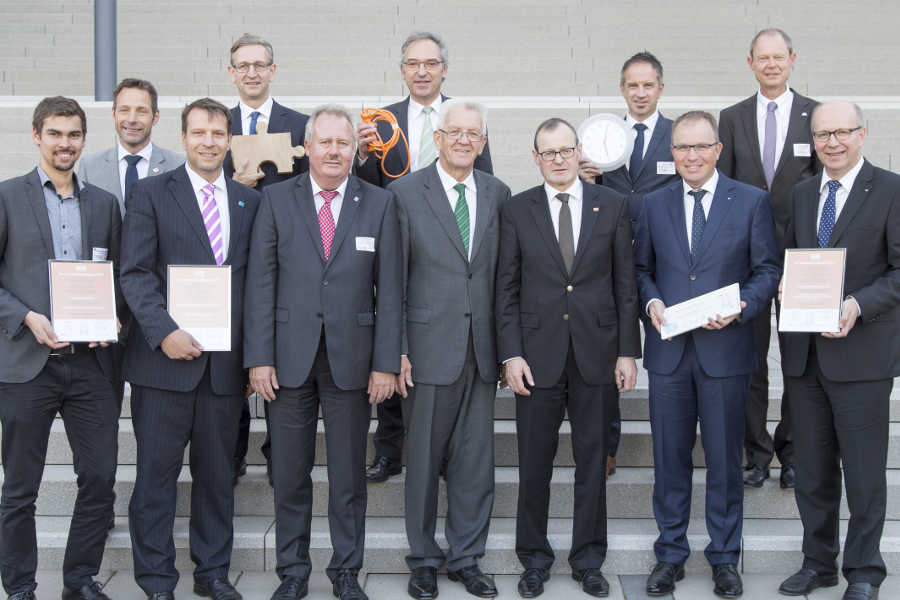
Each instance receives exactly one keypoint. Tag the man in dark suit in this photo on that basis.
(840, 383)
(423, 67)
(182, 394)
(695, 236)
(766, 143)
(567, 329)
(329, 348)
(51, 214)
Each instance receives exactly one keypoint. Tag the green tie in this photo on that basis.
(461, 212)
(427, 151)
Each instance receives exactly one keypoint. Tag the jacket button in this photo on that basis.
(319, 315)
(325, 283)
(569, 288)
(693, 277)
(467, 315)
(565, 317)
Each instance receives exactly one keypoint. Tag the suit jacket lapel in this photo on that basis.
(307, 206)
(437, 200)
(276, 118)
(855, 200)
(588, 218)
(349, 205)
(676, 214)
(237, 126)
(158, 164)
(35, 195)
(484, 208)
(719, 208)
(797, 122)
(235, 215)
(111, 157)
(540, 211)
(751, 131)
(86, 208)
(181, 190)
(654, 142)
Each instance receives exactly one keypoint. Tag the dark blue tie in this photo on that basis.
(254, 117)
(829, 211)
(698, 223)
(637, 154)
(131, 174)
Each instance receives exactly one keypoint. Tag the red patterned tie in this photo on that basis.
(326, 221)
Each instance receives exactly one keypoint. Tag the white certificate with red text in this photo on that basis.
(812, 290)
(83, 301)
(199, 300)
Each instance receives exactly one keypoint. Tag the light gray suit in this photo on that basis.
(449, 336)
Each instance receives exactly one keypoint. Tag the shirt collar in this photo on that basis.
(265, 110)
(846, 181)
(763, 102)
(198, 182)
(709, 186)
(415, 109)
(79, 184)
(448, 181)
(144, 152)
(575, 191)
(316, 188)
(650, 121)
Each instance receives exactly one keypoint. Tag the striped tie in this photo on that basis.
(461, 212)
(326, 221)
(427, 151)
(213, 222)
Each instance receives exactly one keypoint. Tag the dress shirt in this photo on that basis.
(575, 192)
(650, 123)
(221, 196)
(448, 182)
(415, 120)
(143, 165)
(265, 113)
(64, 213)
(336, 204)
(782, 116)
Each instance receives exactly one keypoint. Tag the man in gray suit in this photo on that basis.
(449, 229)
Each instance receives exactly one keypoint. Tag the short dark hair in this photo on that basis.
(138, 84)
(552, 124)
(57, 106)
(697, 115)
(642, 57)
(210, 106)
(772, 31)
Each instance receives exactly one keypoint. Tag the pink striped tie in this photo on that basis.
(213, 223)
(326, 221)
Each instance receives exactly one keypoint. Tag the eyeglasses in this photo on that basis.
(842, 135)
(699, 148)
(431, 64)
(550, 155)
(455, 135)
(244, 68)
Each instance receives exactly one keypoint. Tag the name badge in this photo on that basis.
(802, 150)
(665, 167)
(99, 254)
(365, 244)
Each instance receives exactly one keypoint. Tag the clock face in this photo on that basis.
(605, 140)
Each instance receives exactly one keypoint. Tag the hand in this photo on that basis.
(517, 374)
(849, 314)
(365, 133)
(248, 391)
(245, 175)
(626, 373)
(264, 381)
(180, 345)
(106, 344)
(720, 323)
(381, 386)
(404, 379)
(657, 308)
(42, 330)
(501, 378)
(588, 170)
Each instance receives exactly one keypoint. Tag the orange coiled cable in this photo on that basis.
(380, 147)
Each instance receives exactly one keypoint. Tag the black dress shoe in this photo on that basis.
(239, 471)
(346, 587)
(89, 591)
(592, 582)
(29, 595)
(531, 583)
(788, 477)
(754, 475)
(423, 583)
(217, 589)
(861, 591)
(161, 596)
(476, 582)
(382, 468)
(663, 577)
(806, 580)
(291, 588)
(728, 582)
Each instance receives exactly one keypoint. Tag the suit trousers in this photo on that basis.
(164, 423)
(388, 437)
(841, 423)
(677, 401)
(538, 418)
(243, 442)
(452, 423)
(294, 416)
(75, 387)
(615, 425)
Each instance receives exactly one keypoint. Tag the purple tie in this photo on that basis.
(769, 144)
(212, 222)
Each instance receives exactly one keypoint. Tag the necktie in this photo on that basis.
(829, 212)
(427, 151)
(698, 223)
(461, 212)
(566, 235)
(213, 223)
(769, 144)
(326, 221)
(131, 174)
(637, 154)
(254, 117)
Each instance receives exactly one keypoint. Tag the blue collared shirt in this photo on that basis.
(65, 218)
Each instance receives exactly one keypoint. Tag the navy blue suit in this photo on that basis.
(703, 374)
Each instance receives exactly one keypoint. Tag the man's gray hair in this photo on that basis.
(860, 121)
(248, 39)
(461, 103)
(772, 31)
(336, 110)
(415, 36)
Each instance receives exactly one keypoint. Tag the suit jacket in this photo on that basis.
(445, 295)
(869, 228)
(397, 158)
(26, 244)
(282, 120)
(741, 157)
(635, 186)
(293, 293)
(163, 226)
(738, 245)
(534, 290)
(102, 169)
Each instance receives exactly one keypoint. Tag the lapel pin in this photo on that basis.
(240, 203)
(802, 114)
(596, 209)
(155, 170)
(867, 189)
(356, 198)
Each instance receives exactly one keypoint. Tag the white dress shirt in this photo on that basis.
(576, 193)
(336, 204)
(448, 182)
(650, 122)
(143, 165)
(221, 196)
(840, 197)
(415, 121)
(782, 117)
(265, 114)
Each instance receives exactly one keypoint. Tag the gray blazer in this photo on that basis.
(102, 169)
(444, 293)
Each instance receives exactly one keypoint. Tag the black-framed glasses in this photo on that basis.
(842, 135)
(457, 134)
(244, 67)
(699, 148)
(550, 155)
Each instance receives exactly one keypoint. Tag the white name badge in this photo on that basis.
(365, 244)
(99, 254)
(802, 150)
(665, 167)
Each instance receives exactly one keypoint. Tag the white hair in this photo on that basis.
(461, 103)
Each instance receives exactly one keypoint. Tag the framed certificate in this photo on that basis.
(199, 300)
(812, 290)
(696, 312)
(83, 301)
